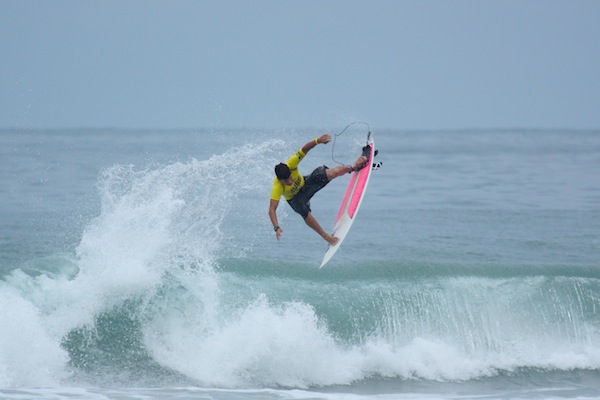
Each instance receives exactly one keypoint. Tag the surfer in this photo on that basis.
(298, 190)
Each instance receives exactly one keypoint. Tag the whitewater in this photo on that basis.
(142, 264)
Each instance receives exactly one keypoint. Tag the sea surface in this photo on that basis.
(143, 265)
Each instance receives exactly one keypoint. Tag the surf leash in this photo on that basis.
(344, 130)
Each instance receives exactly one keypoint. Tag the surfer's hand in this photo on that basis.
(325, 139)
(278, 233)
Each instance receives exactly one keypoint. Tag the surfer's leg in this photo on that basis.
(334, 172)
(312, 222)
(302, 207)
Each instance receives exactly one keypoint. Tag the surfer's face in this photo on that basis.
(287, 181)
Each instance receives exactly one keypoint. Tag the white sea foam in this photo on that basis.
(28, 355)
(151, 221)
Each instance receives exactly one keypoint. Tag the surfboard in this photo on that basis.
(352, 200)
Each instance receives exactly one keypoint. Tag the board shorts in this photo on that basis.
(312, 184)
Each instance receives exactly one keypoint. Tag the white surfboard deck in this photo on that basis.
(351, 203)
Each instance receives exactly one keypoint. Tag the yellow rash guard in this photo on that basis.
(289, 192)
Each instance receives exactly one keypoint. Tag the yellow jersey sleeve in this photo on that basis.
(277, 191)
(295, 159)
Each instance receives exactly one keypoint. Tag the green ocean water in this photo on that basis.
(142, 263)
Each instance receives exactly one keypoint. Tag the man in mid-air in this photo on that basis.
(298, 190)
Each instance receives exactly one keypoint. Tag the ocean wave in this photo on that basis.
(157, 292)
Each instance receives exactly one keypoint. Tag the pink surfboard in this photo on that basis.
(351, 203)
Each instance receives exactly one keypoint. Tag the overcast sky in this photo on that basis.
(448, 64)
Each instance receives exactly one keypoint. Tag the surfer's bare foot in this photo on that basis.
(360, 163)
(332, 240)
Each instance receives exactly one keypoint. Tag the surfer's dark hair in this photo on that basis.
(282, 171)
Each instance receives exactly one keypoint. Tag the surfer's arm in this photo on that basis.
(273, 215)
(309, 145)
